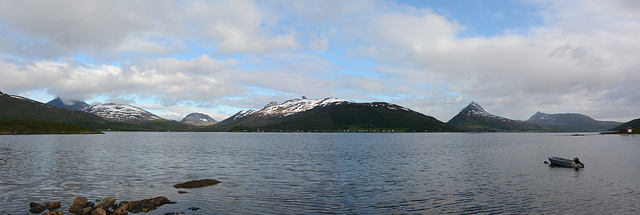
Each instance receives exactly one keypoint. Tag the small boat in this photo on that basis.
(574, 163)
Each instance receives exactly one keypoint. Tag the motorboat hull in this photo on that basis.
(564, 162)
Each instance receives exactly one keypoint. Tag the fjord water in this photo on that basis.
(308, 173)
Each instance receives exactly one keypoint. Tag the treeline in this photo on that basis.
(22, 126)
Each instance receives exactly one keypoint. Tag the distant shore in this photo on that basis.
(21, 126)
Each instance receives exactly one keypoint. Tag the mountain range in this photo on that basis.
(331, 114)
(17, 107)
(69, 104)
(570, 122)
(474, 118)
(121, 113)
(299, 114)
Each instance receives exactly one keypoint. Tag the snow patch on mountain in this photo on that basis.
(290, 107)
(474, 109)
(198, 119)
(121, 113)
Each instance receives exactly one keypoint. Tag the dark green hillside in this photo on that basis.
(352, 116)
(570, 122)
(633, 123)
(21, 108)
(22, 126)
(484, 124)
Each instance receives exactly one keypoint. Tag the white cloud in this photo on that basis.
(569, 60)
(582, 58)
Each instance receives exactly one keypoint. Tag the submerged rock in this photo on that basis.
(36, 208)
(52, 205)
(142, 207)
(197, 183)
(147, 205)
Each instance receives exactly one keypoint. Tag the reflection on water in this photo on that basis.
(326, 173)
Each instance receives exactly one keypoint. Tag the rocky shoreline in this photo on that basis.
(108, 206)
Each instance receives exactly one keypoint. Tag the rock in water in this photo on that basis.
(121, 209)
(52, 205)
(78, 204)
(54, 213)
(197, 183)
(99, 211)
(147, 205)
(142, 207)
(36, 208)
(106, 203)
(84, 211)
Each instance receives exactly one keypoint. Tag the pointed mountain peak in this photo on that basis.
(539, 116)
(68, 103)
(474, 109)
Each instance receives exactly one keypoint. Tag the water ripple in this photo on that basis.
(325, 173)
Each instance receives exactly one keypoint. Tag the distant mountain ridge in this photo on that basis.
(18, 107)
(570, 122)
(474, 118)
(69, 104)
(332, 114)
(633, 124)
(121, 113)
(289, 107)
(328, 114)
(198, 119)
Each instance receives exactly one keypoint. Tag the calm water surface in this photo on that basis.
(424, 173)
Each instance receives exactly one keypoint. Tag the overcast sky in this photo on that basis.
(218, 57)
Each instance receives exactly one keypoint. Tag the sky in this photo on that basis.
(513, 57)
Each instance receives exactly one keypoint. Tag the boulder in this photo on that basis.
(141, 207)
(52, 205)
(98, 211)
(36, 208)
(121, 209)
(78, 204)
(84, 211)
(197, 183)
(147, 205)
(106, 203)
(54, 213)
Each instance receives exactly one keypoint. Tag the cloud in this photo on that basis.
(568, 61)
(580, 57)
(68, 27)
(49, 29)
(170, 80)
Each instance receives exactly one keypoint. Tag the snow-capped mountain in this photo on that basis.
(121, 113)
(198, 119)
(69, 104)
(474, 109)
(332, 114)
(290, 107)
(475, 118)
